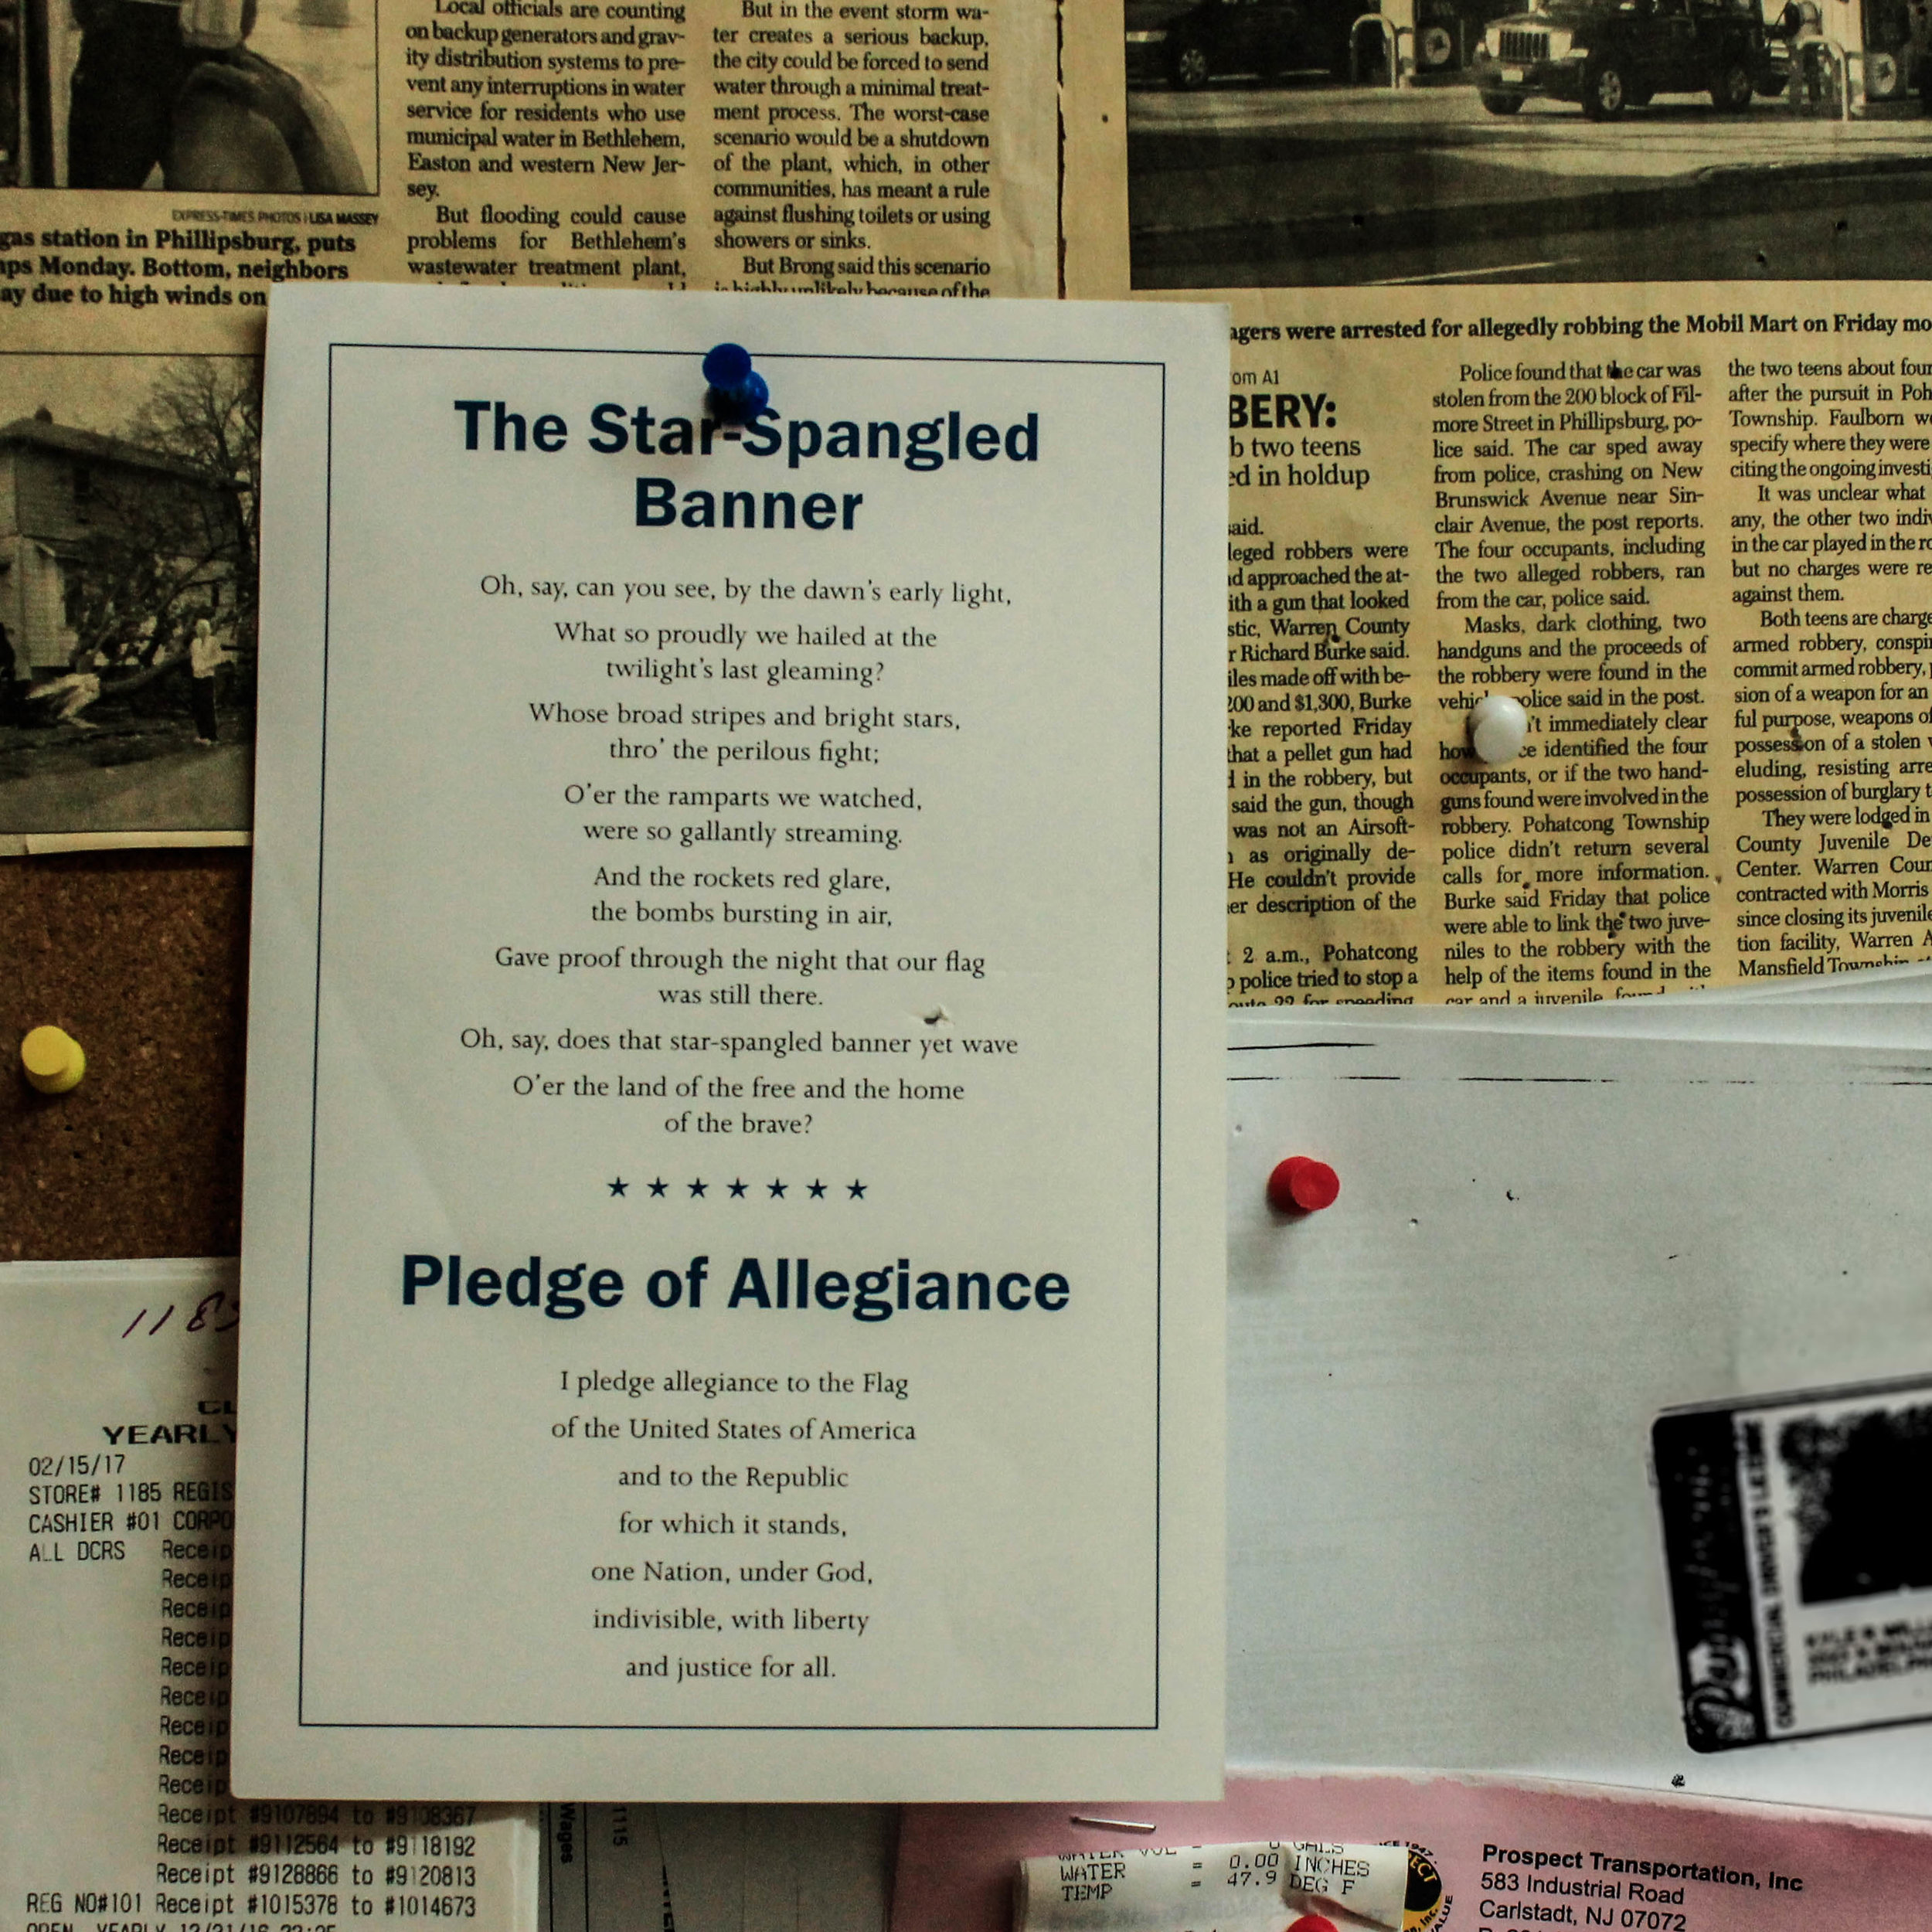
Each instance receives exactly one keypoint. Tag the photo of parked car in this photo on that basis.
(1608, 55)
(1201, 41)
(1271, 143)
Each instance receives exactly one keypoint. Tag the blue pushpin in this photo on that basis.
(739, 393)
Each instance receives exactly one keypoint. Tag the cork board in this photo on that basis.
(143, 958)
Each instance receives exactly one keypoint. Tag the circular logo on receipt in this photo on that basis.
(1427, 1906)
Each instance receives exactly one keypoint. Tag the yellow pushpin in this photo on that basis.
(51, 1060)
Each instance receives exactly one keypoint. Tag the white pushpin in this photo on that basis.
(1498, 726)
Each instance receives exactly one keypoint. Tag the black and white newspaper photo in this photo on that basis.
(265, 96)
(127, 583)
(1287, 143)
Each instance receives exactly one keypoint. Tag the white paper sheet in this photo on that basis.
(1900, 1023)
(118, 1428)
(772, 953)
(716, 1868)
(604, 1868)
(1448, 1551)
(780, 1868)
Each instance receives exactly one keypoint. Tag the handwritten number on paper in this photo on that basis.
(211, 1304)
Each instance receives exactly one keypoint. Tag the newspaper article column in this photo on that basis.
(1686, 536)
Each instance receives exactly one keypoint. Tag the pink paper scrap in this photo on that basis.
(1486, 1856)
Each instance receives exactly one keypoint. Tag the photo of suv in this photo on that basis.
(1608, 55)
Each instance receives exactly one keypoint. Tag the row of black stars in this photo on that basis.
(854, 1190)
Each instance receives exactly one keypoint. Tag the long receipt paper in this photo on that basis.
(714, 1280)
(120, 1425)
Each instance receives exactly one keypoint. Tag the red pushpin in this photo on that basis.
(1311, 1921)
(1300, 1185)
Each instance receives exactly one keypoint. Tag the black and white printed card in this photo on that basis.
(1799, 1530)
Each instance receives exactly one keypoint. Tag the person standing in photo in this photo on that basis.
(134, 63)
(206, 655)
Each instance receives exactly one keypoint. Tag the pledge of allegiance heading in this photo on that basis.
(928, 445)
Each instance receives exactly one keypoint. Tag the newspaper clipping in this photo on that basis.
(1540, 453)
(170, 161)
(1280, 143)
(1685, 529)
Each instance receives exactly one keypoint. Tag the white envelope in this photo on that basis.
(1446, 1544)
